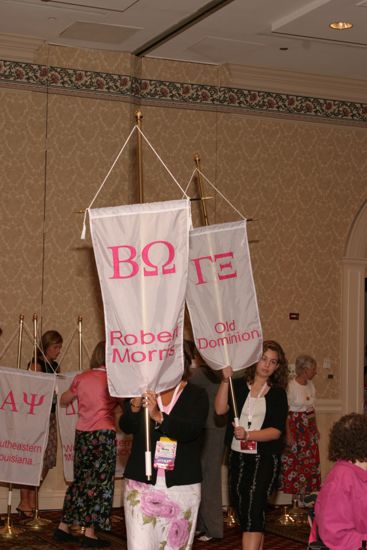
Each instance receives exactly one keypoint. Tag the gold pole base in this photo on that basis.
(230, 518)
(286, 518)
(294, 515)
(36, 522)
(9, 531)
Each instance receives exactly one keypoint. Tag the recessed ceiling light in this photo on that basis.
(341, 25)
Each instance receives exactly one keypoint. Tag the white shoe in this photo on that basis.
(205, 538)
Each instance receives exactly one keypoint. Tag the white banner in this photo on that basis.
(123, 445)
(141, 252)
(221, 297)
(67, 419)
(25, 406)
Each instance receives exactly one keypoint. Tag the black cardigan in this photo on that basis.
(185, 424)
(275, 417)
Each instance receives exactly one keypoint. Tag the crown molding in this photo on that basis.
(257, 78)
(19, 48)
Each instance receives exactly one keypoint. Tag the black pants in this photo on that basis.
(252, 478)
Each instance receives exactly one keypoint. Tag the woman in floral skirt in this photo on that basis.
(301, 463)
(161, 513)
(88, 500)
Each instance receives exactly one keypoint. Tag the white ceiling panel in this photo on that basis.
(277, 34)
(315, 24)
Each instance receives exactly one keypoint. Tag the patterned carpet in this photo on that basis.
(278, 537)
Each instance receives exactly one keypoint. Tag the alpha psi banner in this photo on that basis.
(141, 253)
(221, 296)
(25, 406)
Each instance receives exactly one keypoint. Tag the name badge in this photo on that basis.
(249, 446)
(165, 454)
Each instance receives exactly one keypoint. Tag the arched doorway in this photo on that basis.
(354, 272)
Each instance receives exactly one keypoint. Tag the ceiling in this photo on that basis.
(290, 35)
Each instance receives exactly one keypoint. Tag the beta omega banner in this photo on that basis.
(25, 405)
(221, 296)
(141, 253)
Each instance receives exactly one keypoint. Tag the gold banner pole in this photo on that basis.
(80, 319)
(9, 531)
(148, 452)
(20, 340)
(206, 222)
(203, 209)
(77, 529)
(34, 365)
(36, 522)
(139, 119)
(230, 518)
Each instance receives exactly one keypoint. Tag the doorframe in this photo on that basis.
(354, 272)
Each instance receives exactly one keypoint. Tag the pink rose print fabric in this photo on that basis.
(158, 517)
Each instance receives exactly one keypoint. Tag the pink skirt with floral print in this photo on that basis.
(157, 516)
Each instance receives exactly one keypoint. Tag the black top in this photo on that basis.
(185, 424)
(49, 367)
(275, 417)
(208, 379)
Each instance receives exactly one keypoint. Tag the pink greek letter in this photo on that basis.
(9, 400)
(32, 403)
(166, 267)
(117, 261)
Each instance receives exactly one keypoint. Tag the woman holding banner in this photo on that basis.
(162, 512)
(88, 500)
(47, 353)
(256, 445)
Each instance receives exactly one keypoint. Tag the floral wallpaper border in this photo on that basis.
(180, 93)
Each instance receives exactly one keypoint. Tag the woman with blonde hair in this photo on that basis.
(301, 461)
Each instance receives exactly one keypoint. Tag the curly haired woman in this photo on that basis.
(341, 506)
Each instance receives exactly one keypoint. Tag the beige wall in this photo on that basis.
(301, 177)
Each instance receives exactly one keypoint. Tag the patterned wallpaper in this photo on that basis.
(299, 171)
(120, 86)
(295, 164)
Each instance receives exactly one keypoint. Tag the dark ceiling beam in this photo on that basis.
(181, 26)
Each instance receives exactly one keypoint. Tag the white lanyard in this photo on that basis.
(167, 408)
(251, 404)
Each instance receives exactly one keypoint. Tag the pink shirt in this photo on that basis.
(96, 406)
(341, 507)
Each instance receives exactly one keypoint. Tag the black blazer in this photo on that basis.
(275, 417)
(185, 424)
